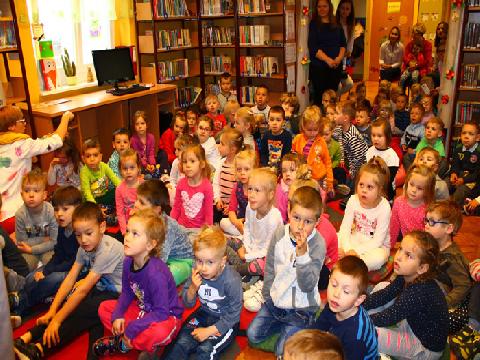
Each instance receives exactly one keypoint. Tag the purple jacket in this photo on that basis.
(145, 152)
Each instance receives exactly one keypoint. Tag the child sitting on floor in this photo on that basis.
(290, 167)
(120, 143)
(313, 344)
(430, 158)
(64, 168)
(212, 104)
(143, 142)
(291, 106)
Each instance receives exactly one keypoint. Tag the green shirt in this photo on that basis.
(335, 152)
(437, 146)
(96, 183)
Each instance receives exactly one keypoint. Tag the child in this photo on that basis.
(245, 162)
(415, 94)
(433, 136)
(354, 146)
(294, 259)
(329, 97)
(344, 316)
(35, 226)
(63, 169)
(291, 106)
(443, 221)
(336, 154)
(330, 112)
(395, 91)
(225, 93)
(18, 149)
(414, 65)
(148, 312)
(101, 257)
(361, 96)
(231, 142)
(276, 142)
(412, 135)
(261, 220)
(419, 311)
(313, 147)
(212, 104)
(126, 192)
(180, 143)
(465, 171)
(401, 115)
(365, 226)
(44, 281)
(192, 115)
(381, 139)
(194, 195)
(290, 167)
(260, 111)
(96, 177)
(313, 345)
(386, 112)
(430, 158)
(120, 143)
(245, 123)
(409, 209)
(427, 102)
(178, 127)
(362, 123)
(214, 325)
(381, 95)
(204, 134)
(230, 109)
(143, 142)
(176, 250)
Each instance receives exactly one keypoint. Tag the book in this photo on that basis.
(254, 34)
(217, 64)
(217, 35)
(261, 66)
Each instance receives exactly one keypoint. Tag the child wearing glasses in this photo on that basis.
(16, 152)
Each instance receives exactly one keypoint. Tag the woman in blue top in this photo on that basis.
(326, 43)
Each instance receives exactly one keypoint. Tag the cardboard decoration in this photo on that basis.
(46, 49)
(49, 73)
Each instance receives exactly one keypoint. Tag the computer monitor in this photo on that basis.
(113, 66)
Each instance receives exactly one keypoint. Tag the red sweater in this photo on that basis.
(219, 122)
(166, 144)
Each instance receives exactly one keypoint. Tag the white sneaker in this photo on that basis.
(255, 301)
(252, 289)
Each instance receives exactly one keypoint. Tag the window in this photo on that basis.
(79, 26)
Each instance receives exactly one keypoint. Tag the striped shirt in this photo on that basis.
(307, 147)
(227, 181)
(354, 148)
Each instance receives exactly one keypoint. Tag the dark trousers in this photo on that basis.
(392, 74)
(323, 79)
(340, 175)
(84, 317)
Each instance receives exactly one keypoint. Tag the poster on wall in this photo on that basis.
(393, 7)
(291, 78)
(289, 25)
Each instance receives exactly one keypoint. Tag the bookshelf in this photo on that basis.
(467, 105)
(190, 43)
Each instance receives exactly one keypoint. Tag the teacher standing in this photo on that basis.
(326, 44)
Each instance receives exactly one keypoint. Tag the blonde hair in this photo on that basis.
(437, 121)
(139, 114)
(311, 115)
(422, 170)
(210, 97)
(154, 228)
(210, 237)
(35, 176)
(347, 108)
(267, 177)
(332, 96)
(291, 100)
(199, 152)
(308, 198)
(245, 114)
(376, 166)
(430, 150)
(233, 138)
(231, 106)
(313, 345)
(129, 154)
(247, 154)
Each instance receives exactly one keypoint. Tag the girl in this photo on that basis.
(204, 134)
(329, 97)
(231, 142)
(230, 109)
(192, 118)
(313, 147)
(330, 112)
(148, 312)
(245, 123)
(381, 135)
(427, 103)
(142, 142)
(290, 166)
(409, 210)
(178, 127)
(361, 96)
(126, 192)
(385, 112)
(345, 15)
(415, 325)
(291, 106)
(63, 169)
(381, 95)
(180, 143)
(245, 162)
(365, 227)
(194, 195)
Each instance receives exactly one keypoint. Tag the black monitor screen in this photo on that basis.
(113, 65)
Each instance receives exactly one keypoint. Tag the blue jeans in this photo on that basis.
(271, 320)
(209, 349)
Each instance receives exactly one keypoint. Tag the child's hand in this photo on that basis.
(67, 115)
(55, 161)
(225, 210)
(472, 205)
(302, 243)
(50, 336)
(219, 205)
(341, 253)
(404, 148)
(196, 279)
(150, 168)
(118, 327)
(24, 248)
(331, 194)
(38, 276)
(460, 181)
(202, 334)
(411, 151)
(239, 225)
(45, 319)
(241, 252)
(453, 178)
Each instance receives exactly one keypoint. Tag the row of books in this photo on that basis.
(187, 96)
(472, 36)
(468, 112)
(247, 94)
(7, 35)
(473, 2)
(218, 35)
(471, 75)
(254, 35)
(258, 65)
(168, 39)
(172, 69)
(253, 6)
(167, 8)
(217, 7)
(217, 64)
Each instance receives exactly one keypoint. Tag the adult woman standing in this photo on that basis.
(391, 56)
(440, 44)
(345, 16)
(326, 44)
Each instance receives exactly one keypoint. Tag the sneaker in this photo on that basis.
(255, 301)
(108, 345)
(248, 293)
(248, 281)
(157, 354)
(342, 189)
(26, 351)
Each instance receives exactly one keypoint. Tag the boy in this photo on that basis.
(291, 106)
(294, 258)
(443, 220)
(260, 111)
(44, 281)
(433, 136)
(430, 158)
(313, 345)
(354, 146)
(230, 109)
(225, 93)
(401, 115)
(344, 316)
(276, 142)
(192, 114)
(334, 149)
(465, 168)
(211, 328)
(212, 104)
(412, 135)
(101, 257)
(362, 122)
(120, 142)
(35, 226)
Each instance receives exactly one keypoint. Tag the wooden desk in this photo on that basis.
(98, 114)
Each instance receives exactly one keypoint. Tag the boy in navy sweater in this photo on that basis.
(276, 142)
(45, 281)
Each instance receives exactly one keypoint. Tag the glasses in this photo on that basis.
(22, 121)
(432, 222)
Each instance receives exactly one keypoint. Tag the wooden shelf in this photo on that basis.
(260, 14)
(176, 18)
(177, 78)
(261, 46)
(273, 76)
(219, 46)
(6, 18)
(177, 49)
(9, 49)
(14, 100)
(471, 50)
(465, 88)
(473, 8)
(219, 16)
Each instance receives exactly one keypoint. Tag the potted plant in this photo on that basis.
(69, 68)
